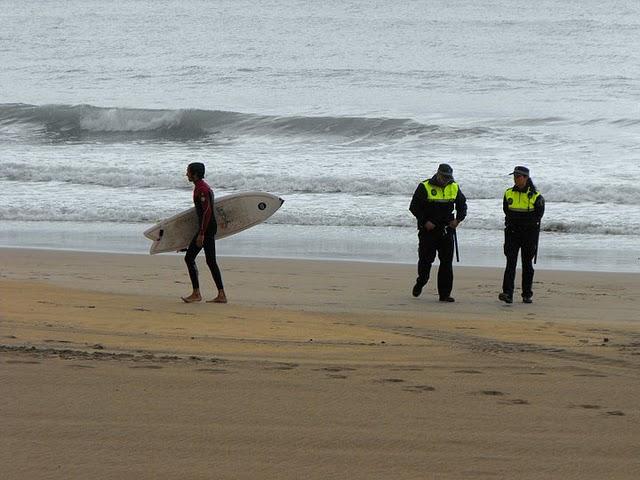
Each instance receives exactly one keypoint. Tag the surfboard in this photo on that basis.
(234, 213)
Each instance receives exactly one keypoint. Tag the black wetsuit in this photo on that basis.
(203, 200)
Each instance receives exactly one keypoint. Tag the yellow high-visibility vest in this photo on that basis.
(520, 201)
(445, 194)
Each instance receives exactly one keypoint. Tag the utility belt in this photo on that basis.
(440, 230)
(528, 228)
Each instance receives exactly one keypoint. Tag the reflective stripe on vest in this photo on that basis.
(520, 201)
(446, 194)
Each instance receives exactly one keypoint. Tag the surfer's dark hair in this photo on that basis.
(197, 169)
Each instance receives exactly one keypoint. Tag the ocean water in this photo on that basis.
(340, 107)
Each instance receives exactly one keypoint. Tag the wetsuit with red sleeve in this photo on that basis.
(203, 201)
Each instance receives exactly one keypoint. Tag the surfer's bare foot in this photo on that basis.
(221, 298)
(191, 298)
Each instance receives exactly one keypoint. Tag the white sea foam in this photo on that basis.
(119, 120)
(131, 175)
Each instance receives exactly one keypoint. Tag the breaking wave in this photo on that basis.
(77, 122)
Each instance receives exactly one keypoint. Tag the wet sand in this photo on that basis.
(313, 370)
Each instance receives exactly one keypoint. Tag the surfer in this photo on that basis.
(205, 238)
(523, 209)
(432, 204)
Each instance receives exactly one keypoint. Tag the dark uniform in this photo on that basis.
(434, 201)
(523, 209)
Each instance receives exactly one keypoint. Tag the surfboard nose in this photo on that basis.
(281, 200)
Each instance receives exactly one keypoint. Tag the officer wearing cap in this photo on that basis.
(433, 204)
(523, 207)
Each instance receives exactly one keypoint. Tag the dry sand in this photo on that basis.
(314, 370)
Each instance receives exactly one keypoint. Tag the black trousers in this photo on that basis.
(438, 241)
(524, 240)
(209, 246)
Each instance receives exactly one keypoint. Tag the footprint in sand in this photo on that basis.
(514, 401)
(23, 362)
(474, 372)
(596, 375)
(492, 393)
(282, 366)
(336, 376)
(336, 369)
(419, 388)
(615, 413)
(586, 406)
(150, 367)
(81, 366)
(390, 380)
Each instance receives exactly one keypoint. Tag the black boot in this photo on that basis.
(505, 297)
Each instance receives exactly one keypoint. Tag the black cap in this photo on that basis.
(197, 169)
(520, 170)
(445, 170)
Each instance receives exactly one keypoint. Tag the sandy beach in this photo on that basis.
(314, 370)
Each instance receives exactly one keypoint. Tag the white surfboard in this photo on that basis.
(234, 213)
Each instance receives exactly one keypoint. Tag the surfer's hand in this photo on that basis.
(200, 240)
(429, 226)
(453, 223)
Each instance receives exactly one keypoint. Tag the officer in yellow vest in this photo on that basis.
(523, 207)
(433, 204)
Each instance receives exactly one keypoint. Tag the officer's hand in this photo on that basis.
(453, 223)
(429, 226)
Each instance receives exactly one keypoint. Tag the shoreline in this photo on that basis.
(456, 267)
(386, 245)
